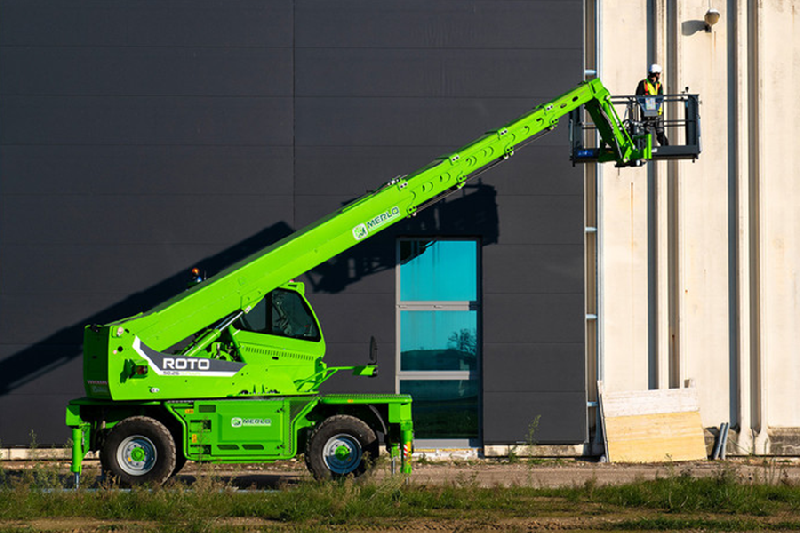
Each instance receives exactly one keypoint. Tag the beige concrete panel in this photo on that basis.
(624, 45)
(624, 256)
(747, 70)
(702, 60)
(779, 64)
(623, 211)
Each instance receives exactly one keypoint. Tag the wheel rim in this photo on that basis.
(137, 455)
(342, 454)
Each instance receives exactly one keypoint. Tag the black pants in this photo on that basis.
(657, 125)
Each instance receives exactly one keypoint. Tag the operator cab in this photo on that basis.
(283, 330)
(283, 313)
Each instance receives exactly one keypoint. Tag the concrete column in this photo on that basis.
(745, 309)
(777, 71)
(623, 213)
(664, 219)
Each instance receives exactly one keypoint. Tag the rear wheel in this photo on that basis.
(139, 450)
(342, 445)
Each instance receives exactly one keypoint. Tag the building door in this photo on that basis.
(439, 344)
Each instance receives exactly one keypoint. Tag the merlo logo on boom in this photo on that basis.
(363, 230)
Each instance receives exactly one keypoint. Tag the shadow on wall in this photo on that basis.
(65, 345)
(470, 212)
(690, 27)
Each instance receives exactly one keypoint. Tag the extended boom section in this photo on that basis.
(243, 285)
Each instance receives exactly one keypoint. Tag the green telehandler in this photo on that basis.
(229, 371)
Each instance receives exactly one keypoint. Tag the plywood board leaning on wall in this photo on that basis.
(652, 425)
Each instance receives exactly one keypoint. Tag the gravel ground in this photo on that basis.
(481, 472)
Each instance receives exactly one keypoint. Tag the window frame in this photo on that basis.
(442, 375)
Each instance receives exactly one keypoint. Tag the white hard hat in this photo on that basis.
(655, 68)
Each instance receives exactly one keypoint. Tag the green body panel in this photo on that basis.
(242, 430)
(236, 430)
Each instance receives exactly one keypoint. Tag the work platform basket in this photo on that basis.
(677, 114)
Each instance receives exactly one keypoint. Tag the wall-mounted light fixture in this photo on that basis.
(711, 17)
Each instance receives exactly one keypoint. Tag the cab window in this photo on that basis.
(283, 313)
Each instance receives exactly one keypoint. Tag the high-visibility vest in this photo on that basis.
(651, 89)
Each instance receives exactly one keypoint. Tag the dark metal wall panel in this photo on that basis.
(46, 382)
(124, 71)
(23, 326)
(35, 419)
(532, 318)
(134, 219)
(541, 219)
(364, 269)
(441, 24)
(357, 353)
(530, 366)
(559, 417)
(120, 170)
(138, 139)
(430, 72)
(524, 269)
(146, 120)
(174, 23)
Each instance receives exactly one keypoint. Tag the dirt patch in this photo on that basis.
(78, 525)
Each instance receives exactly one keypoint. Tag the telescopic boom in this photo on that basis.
(242, 285)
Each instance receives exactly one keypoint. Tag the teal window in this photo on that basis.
(439, 340)
(438, 322)
(438, 270)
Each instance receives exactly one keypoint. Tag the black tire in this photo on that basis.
(139, 451)
(341, 446)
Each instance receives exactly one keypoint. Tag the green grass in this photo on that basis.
(722, 493)
(718, 503)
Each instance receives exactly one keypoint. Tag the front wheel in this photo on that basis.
(342, 445)
(139, 450)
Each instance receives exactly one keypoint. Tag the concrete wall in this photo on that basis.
(699, 261)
